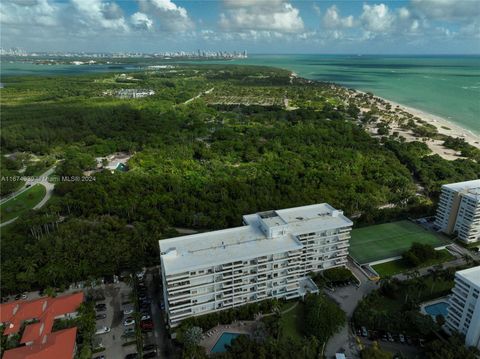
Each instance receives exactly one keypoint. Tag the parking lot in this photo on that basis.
(123, 312)
(117, 297)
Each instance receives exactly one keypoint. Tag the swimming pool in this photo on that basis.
(225, 339)
(440, 308)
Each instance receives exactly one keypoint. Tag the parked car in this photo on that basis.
(129, 321)
(128, 311)
(364, 332)
(101, 307)
(162, 306)
(129, 331)
(140, 275)
(22, 296)
(146, 325)
(149, 347)
(390, 338)
(131, 356)
(145, 317)
(100, 316)
(100, 357)
(401, 338)
(150, 355)
(103, 330)
(384, 338)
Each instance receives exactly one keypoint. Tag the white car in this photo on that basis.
(103, 330)
(128, 321)
(145, 317)
(128, 311)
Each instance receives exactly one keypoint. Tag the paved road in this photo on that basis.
(43, 180)
(161, 339)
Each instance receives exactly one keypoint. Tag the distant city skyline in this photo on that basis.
(270, 26)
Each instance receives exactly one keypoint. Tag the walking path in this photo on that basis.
(426, 270)
(199, 95)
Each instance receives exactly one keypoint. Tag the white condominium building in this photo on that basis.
(464, 306)
(458, 211)
(270, 256)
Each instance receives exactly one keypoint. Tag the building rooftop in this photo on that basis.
(471, 275)
(186, 253)
(43, 310)
(60, 344)
(461, 186)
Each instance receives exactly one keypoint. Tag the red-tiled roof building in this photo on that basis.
(39, 315)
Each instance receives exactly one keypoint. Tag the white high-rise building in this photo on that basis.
(464, 306)
(269, 257)
(458, 210)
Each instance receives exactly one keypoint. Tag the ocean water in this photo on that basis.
(447, 86)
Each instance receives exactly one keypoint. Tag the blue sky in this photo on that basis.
(267, 26)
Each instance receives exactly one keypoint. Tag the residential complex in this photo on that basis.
(458, 211)
(39, 316)
(270, 256)
(464, 306)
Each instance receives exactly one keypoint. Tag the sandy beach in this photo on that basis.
(441, 124)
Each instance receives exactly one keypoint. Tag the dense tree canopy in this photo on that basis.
(201, 165)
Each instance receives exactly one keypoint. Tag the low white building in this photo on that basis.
(458, 210)
(269, 257)
(464, 306)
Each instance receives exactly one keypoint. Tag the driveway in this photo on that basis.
(159, 335)
(348, 298)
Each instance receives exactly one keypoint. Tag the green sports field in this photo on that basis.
(374, 243)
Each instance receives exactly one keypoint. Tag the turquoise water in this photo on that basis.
(447, 86)
(440, 308)
(225, 339)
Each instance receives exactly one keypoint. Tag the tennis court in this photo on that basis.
(374, 243)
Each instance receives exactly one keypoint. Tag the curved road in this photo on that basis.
(43, 180)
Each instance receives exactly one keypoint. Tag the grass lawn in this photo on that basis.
(25, 201)
(373, 243)
(291, 322)
(399, 266)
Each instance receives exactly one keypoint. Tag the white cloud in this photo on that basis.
(141, 21)
(32, 12)
(333, 20)
(317, 9)
(463, 10)
(170, 16)
(97, 13)
(403, 13)
(377, 18)
(274, 15)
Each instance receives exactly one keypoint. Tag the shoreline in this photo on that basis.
(439, 122)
